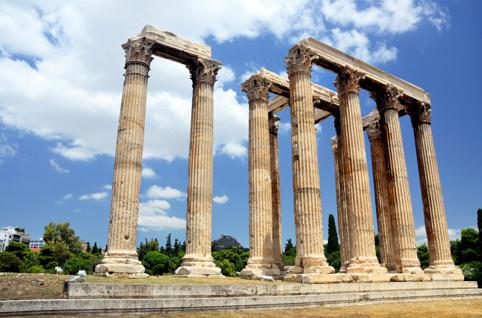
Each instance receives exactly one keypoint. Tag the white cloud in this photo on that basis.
(96, 196)
(153, 216)
(6, 149)
(107, 187)
(67, 87)
(68, 196)
(234, 150)
(57, 167)
(284, 128)
(148, 173)
(221, 199)
(389, 16)
(157, 192)
(421, 234)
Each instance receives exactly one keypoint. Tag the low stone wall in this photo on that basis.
(206, 297)
(87, 290)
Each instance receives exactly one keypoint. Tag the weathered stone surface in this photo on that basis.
(310, 258)
(121, 255)
(355, 173)
(399, 191)
(261, 261)
(441, 262)
(198, 260)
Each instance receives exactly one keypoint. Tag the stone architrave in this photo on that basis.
(341, 205)
(363, 259)
(310, 258)
(275, 190)
(380, 182)
(121, 256)
(260, 262)
(441, 266)
(198, 260)
(399, 192)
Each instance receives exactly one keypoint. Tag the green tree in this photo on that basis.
(30, 260)
(95, 249)
(423, 256)
(84, 260)
(19, 249)
(177, 247)
(9, 262)
(227, 268)
(333, 245)
(168, 245)
(290, 249)
(88, 249)
(156, 263)
(61, 233)
(479, 226)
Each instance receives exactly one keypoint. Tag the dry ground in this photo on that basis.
(33, 286)
(426, 309)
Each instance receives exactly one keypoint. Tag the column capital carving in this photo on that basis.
(139, 50)
(299, 59)
(348, 80)
(421, 114)
(274, 124)
(374, 132)
(387, 98)
(257, 88)
(203, 71)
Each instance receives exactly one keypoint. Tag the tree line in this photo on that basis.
(63, 248)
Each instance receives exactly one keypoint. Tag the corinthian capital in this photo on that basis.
(348, 80)
(373, 130)
(257, 88)
(139, 50)
(299, 59)
(387, 98)
(204, 71)
(422, 114)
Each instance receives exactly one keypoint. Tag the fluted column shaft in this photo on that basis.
(341, 205)
(121, 256)
(399, 191)
(380, 181)
(431, 187)
(260, 260)
(310, 256)
(355, 170)
(275, 190)
(200, 171)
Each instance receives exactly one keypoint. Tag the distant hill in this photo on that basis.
(225, 242)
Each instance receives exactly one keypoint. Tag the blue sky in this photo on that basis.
(61, 84)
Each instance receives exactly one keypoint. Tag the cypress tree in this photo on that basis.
(333, 245)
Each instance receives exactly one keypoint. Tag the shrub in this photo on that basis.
(227, 268)
(156, 263)
(37, 269)
(9, 262)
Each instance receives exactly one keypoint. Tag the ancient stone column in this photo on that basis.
(275, 190)
(341, 205)
(355, 171)
(399, 191)
(260, 260)
(198, 260)
(310, 258)
(121, 255)
(441, 263)
(380, 182)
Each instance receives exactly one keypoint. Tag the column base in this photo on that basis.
(444, 272)
(312, 265)
(261, 271)
(121, 264)
(193, 266)
(367, 265)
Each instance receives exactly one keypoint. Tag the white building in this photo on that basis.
(36, 245)
(10, 233)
